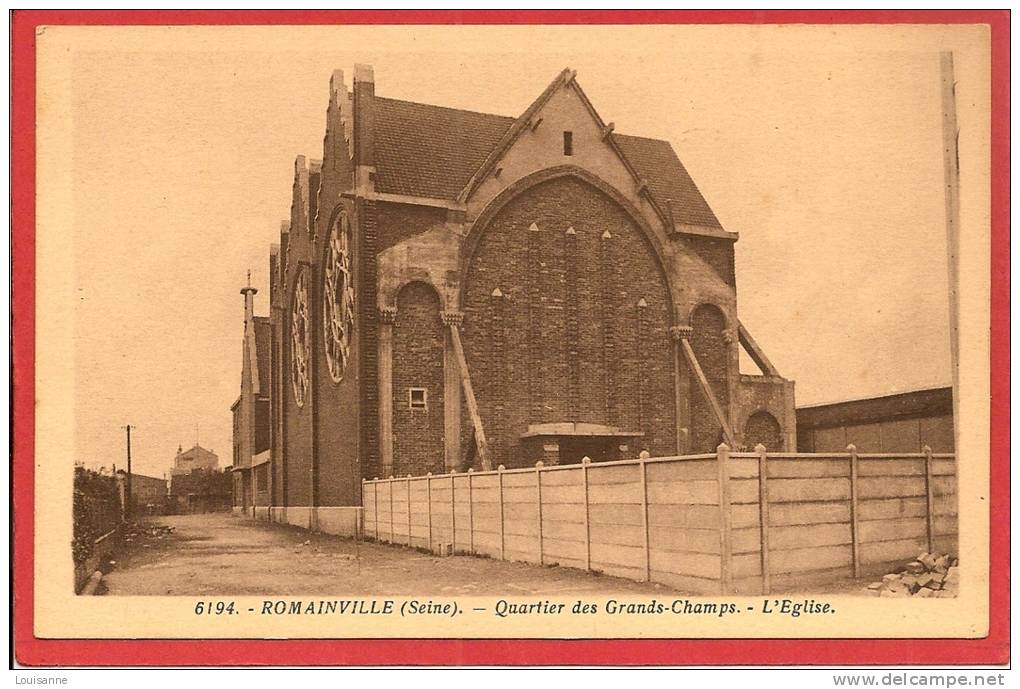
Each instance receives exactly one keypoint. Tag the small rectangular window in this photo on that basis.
(417, 398)
(568, 143)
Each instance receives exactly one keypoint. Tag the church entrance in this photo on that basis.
(599, 449)
(569, 443)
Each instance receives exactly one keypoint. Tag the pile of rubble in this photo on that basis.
(147, 531)
(931, 575)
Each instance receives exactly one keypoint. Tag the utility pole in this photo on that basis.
(951, 172)
(129, 508)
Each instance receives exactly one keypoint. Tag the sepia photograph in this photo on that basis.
(547, 332)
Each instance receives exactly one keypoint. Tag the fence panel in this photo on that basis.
(728, 522)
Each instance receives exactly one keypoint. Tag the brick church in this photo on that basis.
(461, 290)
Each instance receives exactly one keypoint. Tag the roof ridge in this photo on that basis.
(643, 138)
(446, 107)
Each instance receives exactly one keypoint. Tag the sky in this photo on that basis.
(822, 151)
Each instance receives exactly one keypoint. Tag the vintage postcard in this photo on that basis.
(612, 331)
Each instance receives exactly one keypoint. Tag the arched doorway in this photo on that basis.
(763, 429)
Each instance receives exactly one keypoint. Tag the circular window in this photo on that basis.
(338, 299)
(300, 340)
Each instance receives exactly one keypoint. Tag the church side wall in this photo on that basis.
(418, 341)
(337, 403)
(298, 435)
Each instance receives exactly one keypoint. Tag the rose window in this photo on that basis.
(338, 300)
(300, 340)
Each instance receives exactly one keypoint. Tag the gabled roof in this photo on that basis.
(196, 450)
(435, 152)
(668, 179)
(430, 151)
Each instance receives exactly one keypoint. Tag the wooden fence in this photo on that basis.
(692, 522)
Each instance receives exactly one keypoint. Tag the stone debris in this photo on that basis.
(931, 575)
(153, 531)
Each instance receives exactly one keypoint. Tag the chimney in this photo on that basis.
(300, 218)
(284, 257)
(342, 122)
(274, 270)
(364, 126)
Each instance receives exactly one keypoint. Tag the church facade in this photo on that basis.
(458, 290)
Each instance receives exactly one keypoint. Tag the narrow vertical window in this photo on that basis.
(568, 143)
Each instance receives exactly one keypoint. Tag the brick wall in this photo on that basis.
(262, 424)
(366, 232)
(709, 345)
(275, 402)
(337, 403)
(417, 363)
(762, 428)
(299, 430)
(567, 340)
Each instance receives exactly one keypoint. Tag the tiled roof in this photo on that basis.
(263, 343)
(426, 150)
(657, 163)
(431, 151)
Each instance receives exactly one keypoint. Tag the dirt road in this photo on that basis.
(219, 554)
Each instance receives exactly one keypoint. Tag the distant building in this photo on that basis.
(197, 457)
(902, 422)
(148, 493)
(196, 482)
(201, 490)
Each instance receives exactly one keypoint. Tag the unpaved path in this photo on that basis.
(220, 554)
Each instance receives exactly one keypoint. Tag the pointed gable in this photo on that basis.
(443, 153)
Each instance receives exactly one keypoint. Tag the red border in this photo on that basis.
(994, 649)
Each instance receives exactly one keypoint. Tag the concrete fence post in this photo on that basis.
(855, 529)
(428, 501)
(375, 504)
(364, 494)
(408, 484)
(722, 454)
(471, 512)
(393, 531)
(929, 485)
(585, 463)
(453, 512)
(763, 516)
(644, 520)
(538, 508)
(502, 528)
